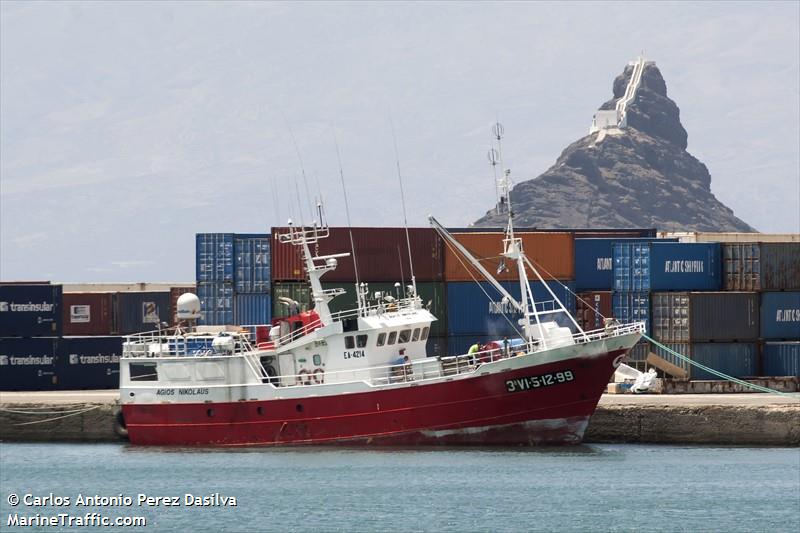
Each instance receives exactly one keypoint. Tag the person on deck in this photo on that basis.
(473, 353)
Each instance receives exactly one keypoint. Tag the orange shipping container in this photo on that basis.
(551, 253)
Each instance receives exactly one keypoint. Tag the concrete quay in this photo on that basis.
(752, 419)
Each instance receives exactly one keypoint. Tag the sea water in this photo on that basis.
(580, 488)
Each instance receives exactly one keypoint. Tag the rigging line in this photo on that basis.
(553, 278)
(718, 373)
(302, 171)
(275, 203)
(347, 212)
(457, 255)
(403, 201)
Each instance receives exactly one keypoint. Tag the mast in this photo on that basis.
(316, 265)
(513, 245)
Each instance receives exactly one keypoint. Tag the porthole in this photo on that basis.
(260, 410)
(299, 407)
(210, 413)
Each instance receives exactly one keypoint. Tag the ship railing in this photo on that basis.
(614, 330)
(173, 342)
(396, 306)
(411, 371)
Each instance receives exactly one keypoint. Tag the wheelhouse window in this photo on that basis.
(349, 342)
(381, 339)
(392, 337)
(404, 336)
(361, 341)
(415, 335)
(143, 371)
(424, 335)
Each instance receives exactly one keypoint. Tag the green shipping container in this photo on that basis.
(296, 290)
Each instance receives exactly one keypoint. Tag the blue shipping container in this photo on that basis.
(737, 359)
(216, 303)
(252, 263)
(781, 359)
(142, 311)
(251, 309)
(89, 363)
(215, 257)
(30, 310)
(594, 261)
(780, 315)
(28, 363)
(471, 312)
(667, 266)
(632, 307)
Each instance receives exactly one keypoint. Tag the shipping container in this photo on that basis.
(781, 359)
(737, 359)
(594, 261)
(124, 287)
(252, 309)
(430, 293)
(214, 254)
(704, 316)
(88, 313)
(757, 267)
(216, 303)
(381, 255)
(30, 310)
(780, 315)
(632, 306)
(436, 346)
(298, 291)
(583, 233)
(174, 294)
(591, 307)
(252, 260)
(478, 309)
(552, 254)
(710, 236)
(637, 357)
(29, 364)
(142, 311)
(89, 363)
(667, 266)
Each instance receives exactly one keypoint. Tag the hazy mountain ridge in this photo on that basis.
(643, 177)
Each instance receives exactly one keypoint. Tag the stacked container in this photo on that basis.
(477, 312)
(88, 320)
(233, 278)
(30, 330)
(772, 269)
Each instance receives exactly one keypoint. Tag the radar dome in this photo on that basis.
(188, 307)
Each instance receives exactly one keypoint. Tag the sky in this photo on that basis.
(127, 127)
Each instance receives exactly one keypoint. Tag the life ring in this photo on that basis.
(120, 428)
(304, 377)
(319, 376)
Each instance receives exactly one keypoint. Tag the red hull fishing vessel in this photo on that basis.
(363, 376)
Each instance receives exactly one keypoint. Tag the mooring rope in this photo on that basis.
(68, 414)
(717, 372)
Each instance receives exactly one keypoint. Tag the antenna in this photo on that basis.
(494, 158)
(403, 200)
(359, 297)
(302, 171)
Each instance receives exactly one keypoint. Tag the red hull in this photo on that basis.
(477, 410)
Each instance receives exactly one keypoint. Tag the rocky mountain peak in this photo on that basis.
(638, 174)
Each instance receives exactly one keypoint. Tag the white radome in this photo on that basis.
(188, 307)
